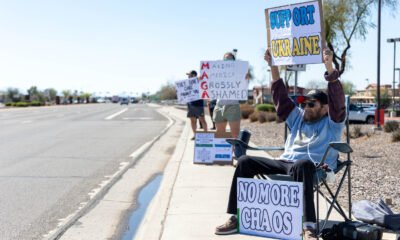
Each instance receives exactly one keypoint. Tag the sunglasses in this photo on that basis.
(309, 104)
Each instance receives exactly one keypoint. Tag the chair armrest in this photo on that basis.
(341, 147)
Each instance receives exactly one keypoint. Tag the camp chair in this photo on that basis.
(320, 174)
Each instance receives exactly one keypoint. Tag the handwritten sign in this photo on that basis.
(210, 149)
(187, 90)
(295, 33)
(270, 208)
(224, 80)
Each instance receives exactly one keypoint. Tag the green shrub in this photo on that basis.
(36, 104)
(22, 104)
(396, 136)
(391, 126)
(254, 117)
(10, 104)
(246, 110)
(262, 117)
(265, 108)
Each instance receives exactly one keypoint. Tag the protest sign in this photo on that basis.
(295, 33)
(223, 80)
(270, 208)
(296, 68)
(212, 148)
(187, 90)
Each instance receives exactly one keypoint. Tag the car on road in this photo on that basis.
(134, 100)
(124, 101)
(101, 100)
(360, 114)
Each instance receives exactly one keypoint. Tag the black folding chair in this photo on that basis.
(320, 174)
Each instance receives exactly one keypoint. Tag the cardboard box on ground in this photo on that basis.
(211, 148)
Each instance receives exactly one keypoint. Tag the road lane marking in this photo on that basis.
(138, 118)
(116, 114)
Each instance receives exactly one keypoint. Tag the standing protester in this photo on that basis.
(319, 121)
(196, 110)
(227, 111)
(211, 106)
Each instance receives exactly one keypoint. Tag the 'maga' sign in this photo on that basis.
(270, 208)
(224, 80)
(295, 33)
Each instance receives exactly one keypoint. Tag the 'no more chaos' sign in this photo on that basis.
(225, 80)
(270, 208)
(295, 33)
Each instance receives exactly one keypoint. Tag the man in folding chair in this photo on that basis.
(319, 121)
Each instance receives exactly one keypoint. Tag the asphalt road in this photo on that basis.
(51, 158)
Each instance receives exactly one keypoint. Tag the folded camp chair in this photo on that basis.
(320, 174)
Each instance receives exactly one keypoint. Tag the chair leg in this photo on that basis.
(349, 190)
(318, 230)
(334, 200)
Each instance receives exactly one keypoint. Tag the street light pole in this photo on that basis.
(378, 122)
(394, 40)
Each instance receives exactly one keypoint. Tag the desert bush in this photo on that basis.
(262, 117)
(254, 117)
(246, 110)
(391, 126)
(271, 117)
(355, 132)
(396, 136)
(265, 108)
(22, 104)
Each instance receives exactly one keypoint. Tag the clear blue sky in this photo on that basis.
(136, 46)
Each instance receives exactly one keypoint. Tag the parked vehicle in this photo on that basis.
(359, 114)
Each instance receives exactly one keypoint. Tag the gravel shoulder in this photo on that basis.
(376, 162)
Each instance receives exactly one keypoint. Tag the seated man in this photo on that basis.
(320, 120)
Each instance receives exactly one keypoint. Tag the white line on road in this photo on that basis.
(116, 114)
(137, 118)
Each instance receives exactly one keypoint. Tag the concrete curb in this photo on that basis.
(152, 225)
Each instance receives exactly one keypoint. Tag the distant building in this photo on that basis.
(368, 94)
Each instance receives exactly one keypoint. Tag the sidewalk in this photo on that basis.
(192, 199)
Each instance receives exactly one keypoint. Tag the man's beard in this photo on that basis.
(311, 117)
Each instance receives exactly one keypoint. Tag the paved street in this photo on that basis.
(53, 158)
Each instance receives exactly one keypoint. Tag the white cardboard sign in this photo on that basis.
(209, 149)
(295, 33)
(225, 80)
(270, 208)
(187, 90)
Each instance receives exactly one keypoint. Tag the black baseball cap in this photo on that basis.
(317, 95)
(192, 72)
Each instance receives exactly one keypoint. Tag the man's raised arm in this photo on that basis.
(336, 102)
(282, 102)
